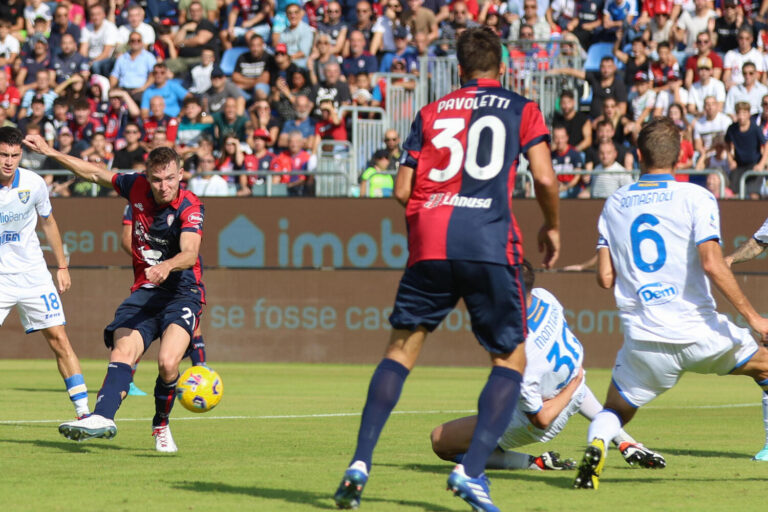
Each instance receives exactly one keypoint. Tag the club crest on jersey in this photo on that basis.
(195, 218)
(170, 218)
(24, 196)
(139, 206)
(655, 294)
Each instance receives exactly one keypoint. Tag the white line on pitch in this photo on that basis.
(353, 414)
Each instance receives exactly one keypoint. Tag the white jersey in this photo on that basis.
(761, 235)
(20, 204)
(652, 229)
(553, 353)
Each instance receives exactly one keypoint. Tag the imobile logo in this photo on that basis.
(242, 244)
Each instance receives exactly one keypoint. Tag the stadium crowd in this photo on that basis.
(110, 81)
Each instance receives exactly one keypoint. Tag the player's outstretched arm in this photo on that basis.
(186, 258)
(606, 274)
(404, 184)
(547, 194)
(53, 237)
(713, 263)
(554, 406)
(81, 168)
(749, 250)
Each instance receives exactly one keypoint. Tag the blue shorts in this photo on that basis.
(151, 310)
(494, 295)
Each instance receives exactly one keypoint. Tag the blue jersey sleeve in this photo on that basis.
(412, 145)
(123, 183)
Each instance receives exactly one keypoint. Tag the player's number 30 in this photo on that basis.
(450, 128)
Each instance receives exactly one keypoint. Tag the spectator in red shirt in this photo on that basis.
(10, 99)
(331, 126)
(703, 49)
(157, 119)
(295, 159)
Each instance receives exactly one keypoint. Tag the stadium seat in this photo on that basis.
(595, 54)
(229, 59)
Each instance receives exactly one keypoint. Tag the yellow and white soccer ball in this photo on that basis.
(199, 389)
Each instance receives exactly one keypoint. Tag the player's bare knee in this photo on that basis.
(438, 446)
(168, 367)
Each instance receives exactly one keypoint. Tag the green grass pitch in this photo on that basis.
(283, 434)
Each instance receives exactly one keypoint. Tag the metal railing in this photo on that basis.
(367, 132)
(743, 181)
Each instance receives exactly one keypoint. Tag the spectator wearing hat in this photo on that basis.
(727, 27)
(703, 49)
(644, 100)
(41, 88)
(334, 27)
(133, 69)
(748, 151)
(253, 68)
(98, 40)
(67, 62)
(359, 60)
(298, 36)
(194, 35)
(402, 51)
(221, 90)
(201, 74)
(751, 92)
(38, 60)
(706, 86)
(302, 123)
(660, 27)
(171, 92)
(735, 59)
(37, 9)
(376, 180)
(259, 161)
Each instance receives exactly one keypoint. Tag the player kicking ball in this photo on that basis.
(659, 248)
(25, 281)
(455, 181)
(167, 294)
(553, 390)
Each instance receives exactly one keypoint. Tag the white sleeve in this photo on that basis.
(761, 235)
(719, 92)
(705, 216)
(111, 37)
(41, 198)
(602, 232)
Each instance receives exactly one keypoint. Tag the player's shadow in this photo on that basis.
(551, 478)
(703, 453)
(67, 446)
(321, 500)
(38, 390)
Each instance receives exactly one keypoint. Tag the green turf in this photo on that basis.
(238, 458)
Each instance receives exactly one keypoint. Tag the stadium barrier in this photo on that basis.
(743, 182)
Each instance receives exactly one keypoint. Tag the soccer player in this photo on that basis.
(196, 350)
(553, 390)
(25, 281)
(455, 181)
(753, 248)
(167, 294)
(659, 248)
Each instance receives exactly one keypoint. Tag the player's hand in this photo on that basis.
(63, 279)
(37, 144)
(156, 274)
(761, 326)
(549, 243)
(729, 261)
(573, 268)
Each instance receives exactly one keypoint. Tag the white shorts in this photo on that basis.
(521, 431)
(36, 298)
(646, 369)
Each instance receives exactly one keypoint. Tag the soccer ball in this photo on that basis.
(199, 389)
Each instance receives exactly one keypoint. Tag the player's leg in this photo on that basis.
(451, 439)
(134, 390)
(173, 345)
(757, 368)
(196, 350)
(69, 368)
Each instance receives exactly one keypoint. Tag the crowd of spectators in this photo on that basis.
(703, 63)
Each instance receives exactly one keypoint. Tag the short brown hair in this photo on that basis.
(162, 156)
(659, 144)
(742, 105)
(478, 50)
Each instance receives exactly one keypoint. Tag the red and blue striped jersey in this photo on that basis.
(465, 148)
(156, 234)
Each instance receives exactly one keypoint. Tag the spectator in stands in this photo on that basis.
(565, 160)
(30, 160)
(383, 38)
(575, 123)
(320, 56)
(302, 123)
(717, 158)
(603, 83)
(158, 120)
(295, 158)
(605, 132)
(706, 86)
(588, 24)
(201, 74)
(10, 99)
(170, 90)
(541, 29)
(643, 102)
(703, 49)
(59, 185)
(121, 108)
(193, 124)
(133, 69)
(603, 185)
(9, 45)
(283, 97)
(41, 88)
(206, 183)
(98, 40)
(393, 149)
(735, 59)
(334, 28)
(260, 161)
(194, 35)
(708, 126)
(748, 151)
(136, 24)
(222, 89)
(620, 15)
(72, 89)
(261, 117)
(762, 120)
(365, 21)
(60, 113)
(132, 151)
(247, 18)
(673, 92)
(39, 31)
(751, 91)
(76, 13)
(298, 36)
(664, 67)
(38, 117)
(690, 24)
(228, 123)
(210, 8)
(420, 19)
(331, 126)
(98, 153)
(727, 27)
(661, 27)
(636, 60)
(36, 10)
(377, 180)
(233, 158)
(526, 56)
(253, 69)
(39, 60)
(67, 61)
(402, 51)
(332, 88)
(359, 60)
(676, 113)
(713, 185)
